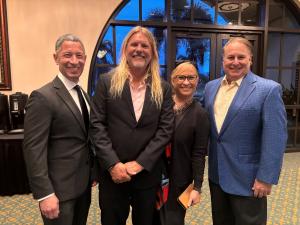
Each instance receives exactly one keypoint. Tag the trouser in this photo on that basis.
(174, 212)
(228, 209)
(72, 212)
(115, 201)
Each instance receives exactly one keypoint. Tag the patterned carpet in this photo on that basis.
(283, 204)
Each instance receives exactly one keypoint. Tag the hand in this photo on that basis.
(50, 207)
(133, 168)
(261, 189)
(194, 198)
(119, 174)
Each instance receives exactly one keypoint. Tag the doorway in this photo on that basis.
(205, 51)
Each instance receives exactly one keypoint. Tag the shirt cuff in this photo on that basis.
(197, 189)
(41, 199)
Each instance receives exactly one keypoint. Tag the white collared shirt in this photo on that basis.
(70, 87)
(224, 99)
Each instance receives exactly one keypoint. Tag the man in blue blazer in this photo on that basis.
(248, 138)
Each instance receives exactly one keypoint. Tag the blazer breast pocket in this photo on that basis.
(251, 111)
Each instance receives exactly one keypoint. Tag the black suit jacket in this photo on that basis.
(55, 143)
(189, 146)
(118, 137)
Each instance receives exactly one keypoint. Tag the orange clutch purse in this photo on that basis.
(183, 199)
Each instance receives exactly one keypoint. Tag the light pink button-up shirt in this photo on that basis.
(138, 96)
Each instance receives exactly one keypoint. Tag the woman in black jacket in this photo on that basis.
(189, 144)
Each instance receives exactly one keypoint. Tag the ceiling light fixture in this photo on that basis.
(231, 6)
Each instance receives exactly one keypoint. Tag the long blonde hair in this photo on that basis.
(122, 70)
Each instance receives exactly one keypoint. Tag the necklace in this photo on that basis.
(179, 109)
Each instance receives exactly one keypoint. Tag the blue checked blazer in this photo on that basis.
(252, 139)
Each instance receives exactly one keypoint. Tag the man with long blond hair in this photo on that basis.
(131, 122)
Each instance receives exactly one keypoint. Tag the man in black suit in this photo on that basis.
(131, 122)
(56, 147)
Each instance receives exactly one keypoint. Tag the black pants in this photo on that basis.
(72, 212)
(115, 201)
(228, 209)
(172, 213)
(175, 213)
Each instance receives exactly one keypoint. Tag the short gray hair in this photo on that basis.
(67, 37)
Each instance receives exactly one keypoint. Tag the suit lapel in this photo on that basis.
(87, 97)
(214, 89)
(63, 93)
(128, 99)
(147, 102)
(246, 88)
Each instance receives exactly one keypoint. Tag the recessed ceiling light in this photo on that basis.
(231, 6)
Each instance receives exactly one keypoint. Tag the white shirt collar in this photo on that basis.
(68, 84)
(237, 82)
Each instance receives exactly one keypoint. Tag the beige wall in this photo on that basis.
(34, 26)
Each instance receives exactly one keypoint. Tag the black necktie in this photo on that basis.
(83, 106)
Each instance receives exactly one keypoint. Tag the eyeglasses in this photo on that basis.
(190, 78)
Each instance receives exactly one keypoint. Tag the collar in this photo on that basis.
(68, 84)
(142, 82)
(235, 82)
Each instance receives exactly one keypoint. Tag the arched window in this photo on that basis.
(198, 29)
